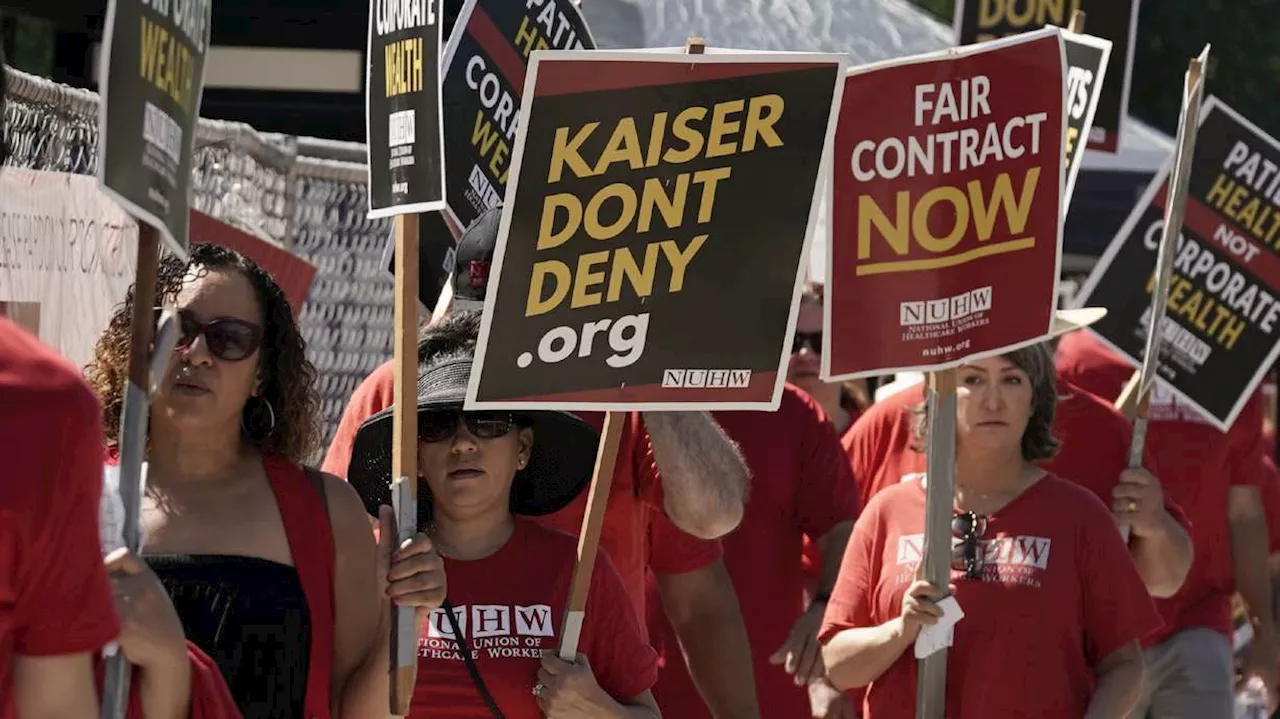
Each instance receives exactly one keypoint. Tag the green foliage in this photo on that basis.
(1244, 64)
(944, 10)
(1244, 60)
(29, 42)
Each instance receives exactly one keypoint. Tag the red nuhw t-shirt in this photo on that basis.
(1095, 450)
(54, 594)
(800, 487)
(510, 606)
(1198, 466)
(1058, 595)
(636, 485)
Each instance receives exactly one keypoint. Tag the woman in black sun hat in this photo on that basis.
(490, 650)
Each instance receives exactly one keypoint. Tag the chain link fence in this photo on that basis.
(304, 194)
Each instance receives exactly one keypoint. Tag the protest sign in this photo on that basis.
(1086, 69)
(483, 78)
(1114, 20)
(292, 273)
(67, 257)
(403, 108)
(1224, 301)
(151, 82)
(483, 83)
(947, 228)
(656, 218)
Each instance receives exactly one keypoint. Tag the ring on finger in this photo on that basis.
(1133, 506)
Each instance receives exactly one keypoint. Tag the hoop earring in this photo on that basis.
(252, 429)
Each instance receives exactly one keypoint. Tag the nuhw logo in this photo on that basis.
(706, 378)
(945, 309)
(478, 621)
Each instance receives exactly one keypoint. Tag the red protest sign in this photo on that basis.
(947, 233)
(292, 273)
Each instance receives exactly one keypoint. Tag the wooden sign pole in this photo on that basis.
(1077, 22)
(404, 452)
(1137, 393)
(931, 681)
(597, 501)
(589, 537)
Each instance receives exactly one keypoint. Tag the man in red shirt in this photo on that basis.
(800, 487)
(678, 463)
(1215, 478)
(56, 607)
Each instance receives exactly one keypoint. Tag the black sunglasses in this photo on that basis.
(442, 425)
(228, 338)
(966, 554)
(812, 340)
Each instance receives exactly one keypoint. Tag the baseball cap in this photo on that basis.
(473, 260)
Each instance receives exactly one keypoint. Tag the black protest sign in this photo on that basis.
(1220, 329)
(650, 251)
(435, 256)
(483, 83)
(1114, 20)
(402, 107)
(152, 79)
(1086, 70)
(483, 79)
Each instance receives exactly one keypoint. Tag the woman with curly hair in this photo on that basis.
(272, 567)
(1053, 604)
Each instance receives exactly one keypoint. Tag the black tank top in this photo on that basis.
(250, 616)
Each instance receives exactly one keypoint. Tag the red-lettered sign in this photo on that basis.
(947, 232)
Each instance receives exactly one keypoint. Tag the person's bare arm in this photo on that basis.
(1249, 554)
(1159, 545)
(360, 683)
(704, 477)
(856, 657)
(703, 609)
(1119, 685)
(1162, 556)
(55, 687)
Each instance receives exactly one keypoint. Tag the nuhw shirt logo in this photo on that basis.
(1021, 559)
(494, 631)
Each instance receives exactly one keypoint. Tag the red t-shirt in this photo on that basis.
(54, 594)
(510, 606)
(1059, 595)
(800, 487)
(636, 486)
(1198, 465)
(1095, 450)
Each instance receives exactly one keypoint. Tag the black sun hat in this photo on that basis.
(560, 464)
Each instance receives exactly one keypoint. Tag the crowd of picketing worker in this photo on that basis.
(755, 564)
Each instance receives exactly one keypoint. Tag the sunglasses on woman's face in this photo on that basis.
(812, 340)
(228, 338)
(966, 554)
(442, 425)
